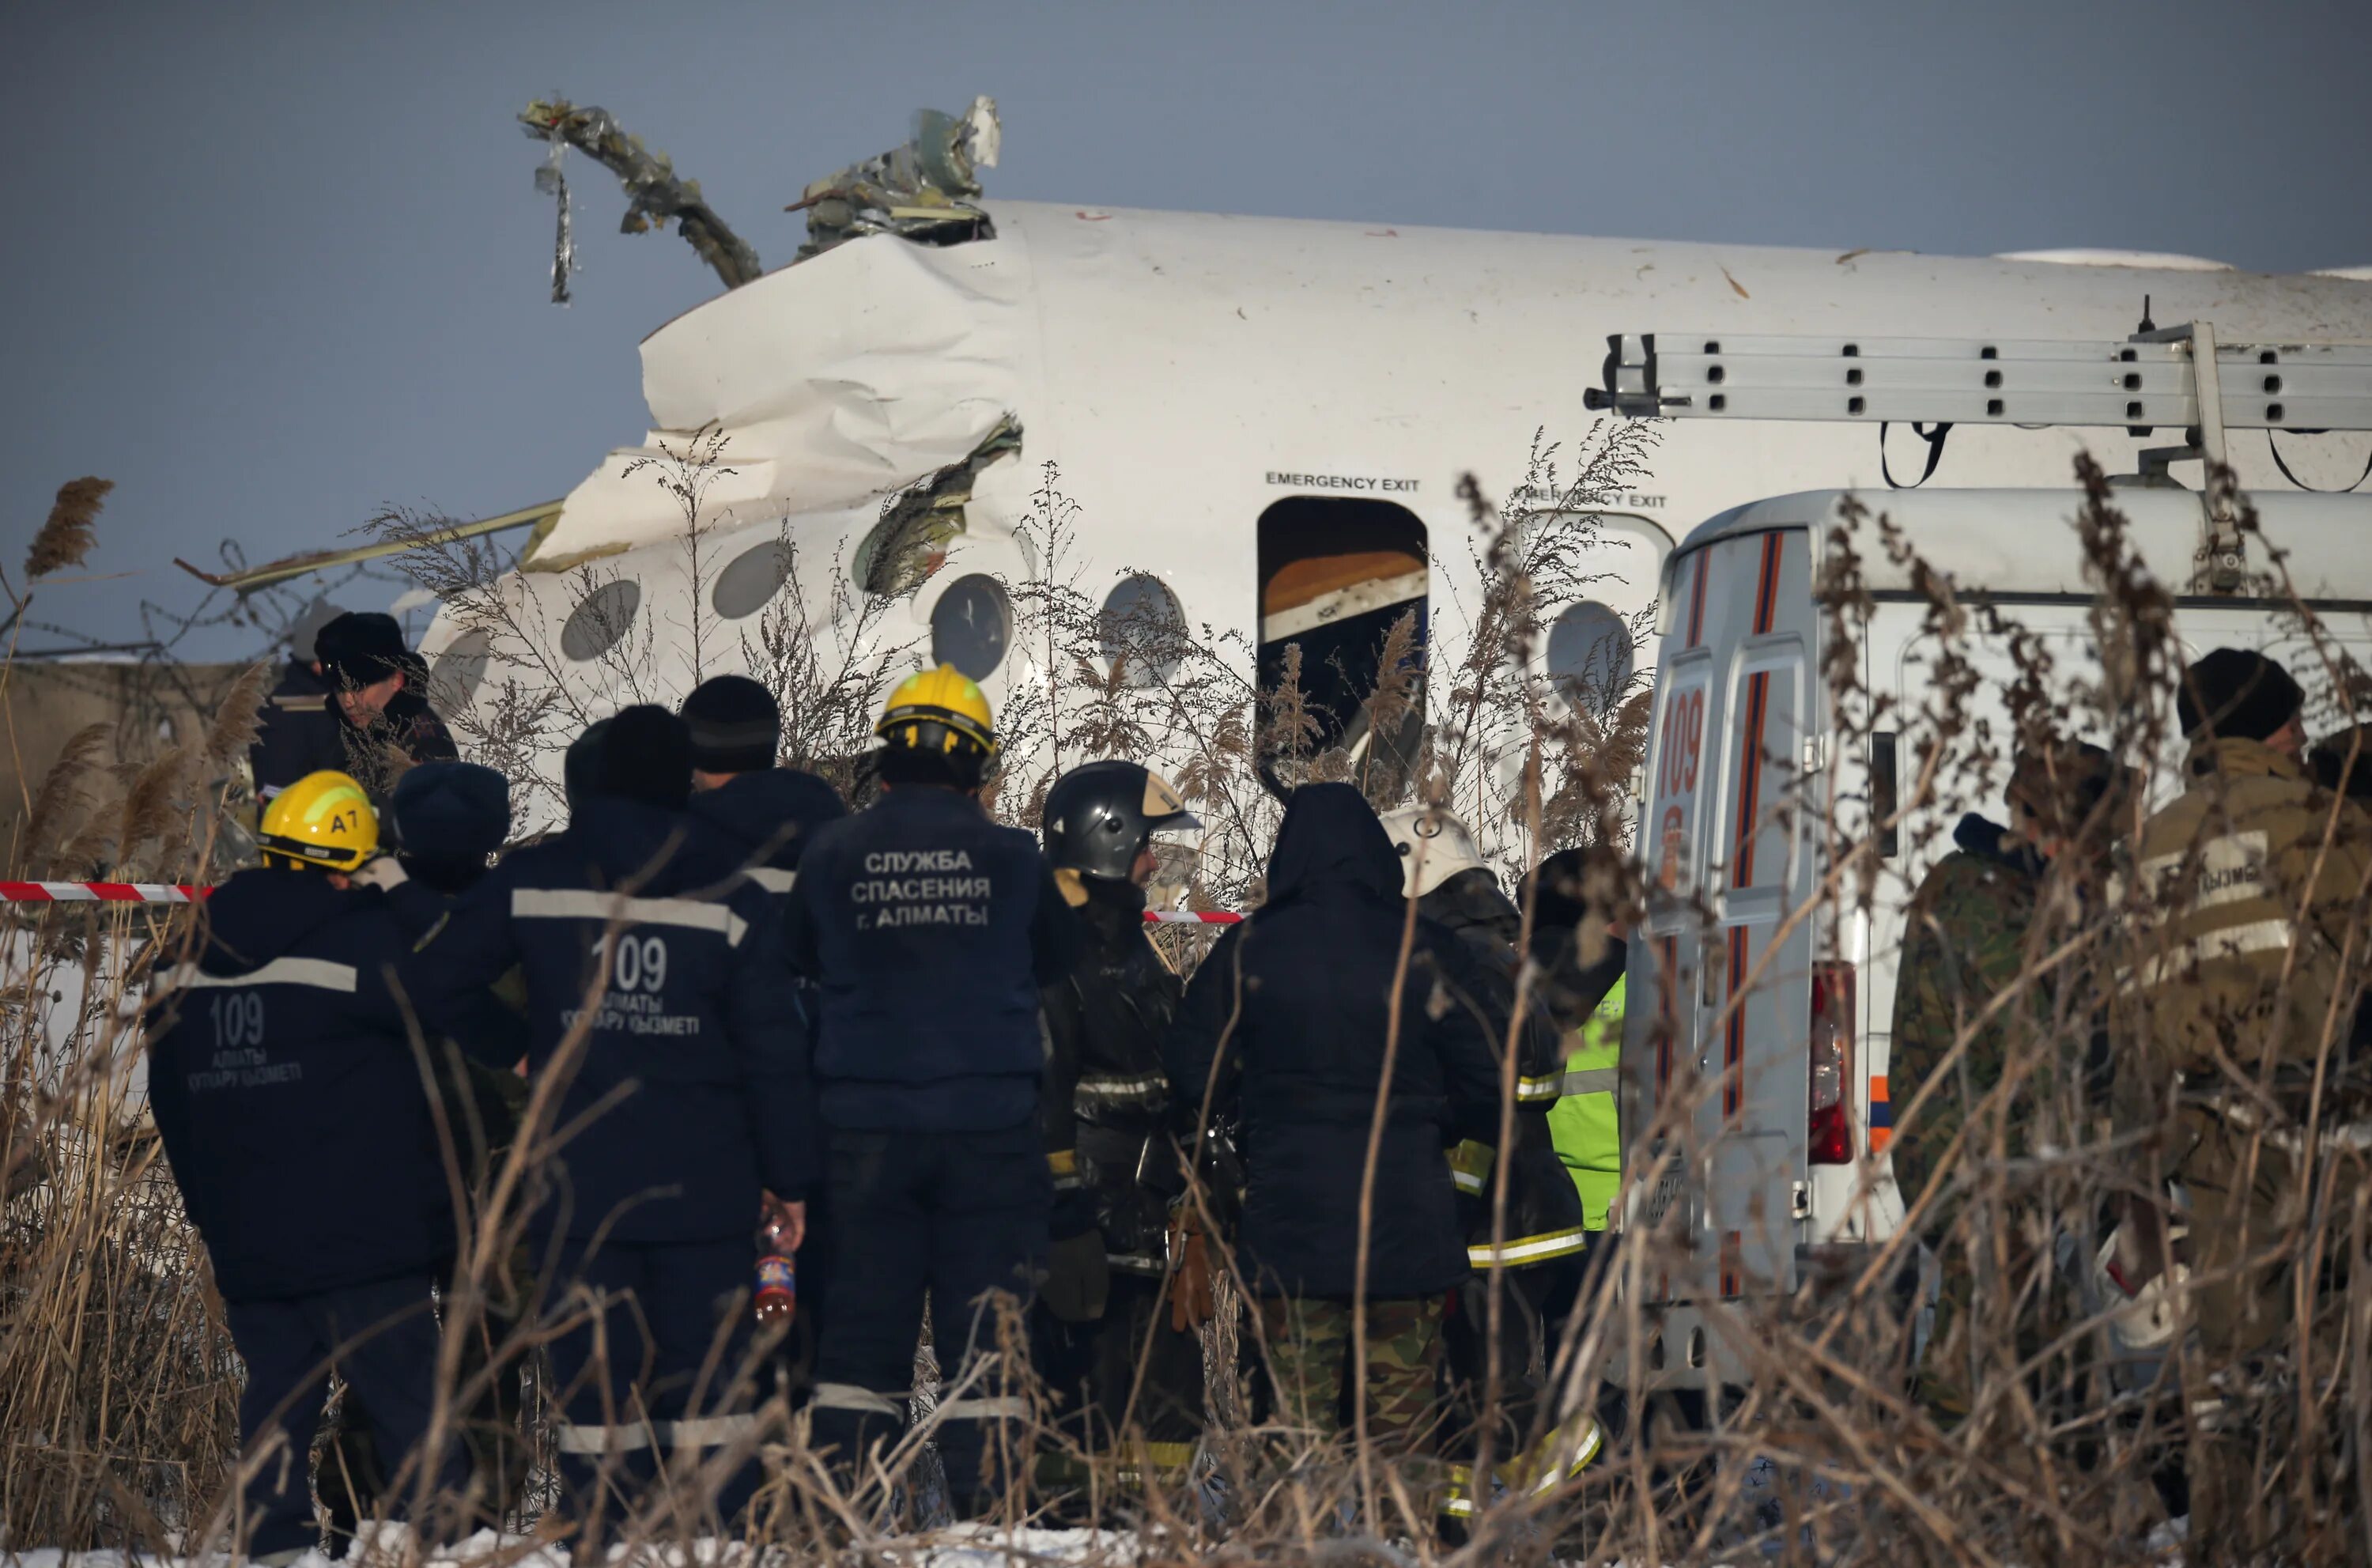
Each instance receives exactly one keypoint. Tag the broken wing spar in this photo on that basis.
(291, 566)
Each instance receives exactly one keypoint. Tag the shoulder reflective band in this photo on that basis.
(1540, 1090)
(1137, 1262)
(1530, 1249)
(318, 973)
(584, 903)
(1192, 917)
(773, 878)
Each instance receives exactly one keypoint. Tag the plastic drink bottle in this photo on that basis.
(777, 1299)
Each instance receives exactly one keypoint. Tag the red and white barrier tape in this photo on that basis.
(1193, 917)
(100, 893)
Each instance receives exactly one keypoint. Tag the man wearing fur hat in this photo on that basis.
(381, 691)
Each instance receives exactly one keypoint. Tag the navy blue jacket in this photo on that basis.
(772, 814)
(927, 930)
(695, 1051)
(284, 1080)
(1293, 1008)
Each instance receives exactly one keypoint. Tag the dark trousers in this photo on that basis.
(1090, 1368)
(653, 1362)
(382, 1339)
(960, 1217)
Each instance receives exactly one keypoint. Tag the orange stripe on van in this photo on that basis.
(1668, 989)
(1750, 778)
(1766, 583)
(1733, 1049)
(1697, 597)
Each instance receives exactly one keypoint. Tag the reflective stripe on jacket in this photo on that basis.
(1585, 1123)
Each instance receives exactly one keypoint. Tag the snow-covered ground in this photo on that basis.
(957, 1546)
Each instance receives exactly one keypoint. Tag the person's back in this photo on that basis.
(2236, 1001)
(1295, 1009)
(284, 1085)
(657, 998)
(919, 922)
(926, 931)
(285, 1053)
(1964, 942)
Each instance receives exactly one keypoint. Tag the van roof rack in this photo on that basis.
(2178, 376)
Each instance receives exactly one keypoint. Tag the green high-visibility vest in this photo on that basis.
(1585, 1124)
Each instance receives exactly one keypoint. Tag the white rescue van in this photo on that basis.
(1763, 1001)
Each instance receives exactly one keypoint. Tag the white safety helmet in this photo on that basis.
(1434, 846)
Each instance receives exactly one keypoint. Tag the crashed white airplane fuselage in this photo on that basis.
(1265, 419)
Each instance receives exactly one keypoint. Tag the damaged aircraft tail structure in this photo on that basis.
(1262, 421)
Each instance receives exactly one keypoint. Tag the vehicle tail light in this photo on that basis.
(1830, 1129)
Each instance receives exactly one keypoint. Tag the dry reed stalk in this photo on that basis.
(67, 535)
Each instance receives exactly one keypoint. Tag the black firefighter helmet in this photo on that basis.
(1099, 816)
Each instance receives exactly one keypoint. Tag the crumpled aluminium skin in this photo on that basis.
(920, 192)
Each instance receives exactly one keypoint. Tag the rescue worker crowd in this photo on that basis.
(2194, 985)
(718, 1024)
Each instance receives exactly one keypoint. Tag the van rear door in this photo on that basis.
(1723, 851)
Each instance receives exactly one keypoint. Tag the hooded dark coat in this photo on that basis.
(698, 1052)
(1295, 1008)
(284, 1084)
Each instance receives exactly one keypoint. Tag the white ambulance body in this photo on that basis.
(1747, 804)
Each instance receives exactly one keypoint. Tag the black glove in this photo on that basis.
(1078, 1278)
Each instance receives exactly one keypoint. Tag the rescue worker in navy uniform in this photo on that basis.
(1541, 1246)
(448, 820)
(1106, 1104)
(927, 931)
(298, 731)
(289, 1098)
(771, 812)
(689, 1079)
(379, 688)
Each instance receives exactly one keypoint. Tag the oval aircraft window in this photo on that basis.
(601, 619)
(1589, 655)
(751, 579)
(453, 679)
(972, 625)
(1142, 623)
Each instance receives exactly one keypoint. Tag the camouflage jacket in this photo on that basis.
(1965, 940)
(2244, 891)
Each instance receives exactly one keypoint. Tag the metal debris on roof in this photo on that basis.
(920, 192)
(656, 194)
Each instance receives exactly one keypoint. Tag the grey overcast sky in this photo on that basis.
(273, 266)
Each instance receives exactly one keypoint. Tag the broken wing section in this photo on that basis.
(839, 380)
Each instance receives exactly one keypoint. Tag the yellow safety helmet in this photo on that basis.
(939, 710)
(323, 820)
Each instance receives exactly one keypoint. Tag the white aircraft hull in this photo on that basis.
(1186, 372)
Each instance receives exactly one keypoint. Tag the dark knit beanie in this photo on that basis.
(647, 756)
(2237, 694)
(451, 811)
(736, 726)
